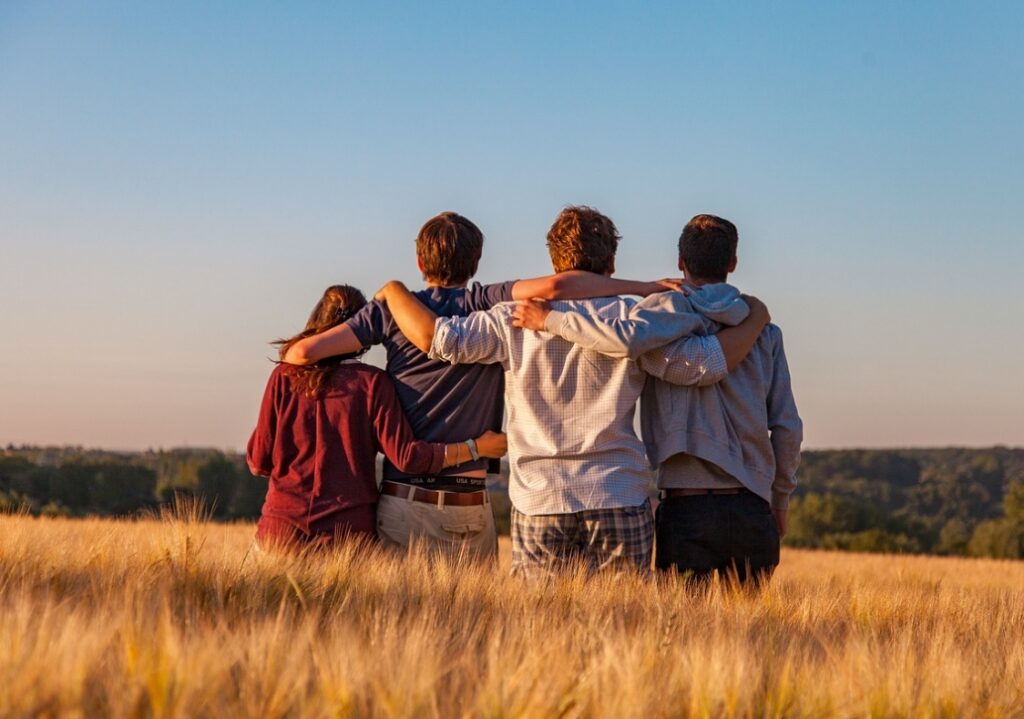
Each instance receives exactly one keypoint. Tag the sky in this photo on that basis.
(180, 181)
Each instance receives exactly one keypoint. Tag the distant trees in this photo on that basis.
(939, 501)
(1002, 537)
(829, 521)
(74, 482)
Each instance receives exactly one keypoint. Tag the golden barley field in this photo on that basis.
(175, 617)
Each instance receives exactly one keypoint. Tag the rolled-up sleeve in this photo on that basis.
(480, 338)
(689, 361)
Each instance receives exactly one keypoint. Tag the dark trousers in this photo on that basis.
(734, 534)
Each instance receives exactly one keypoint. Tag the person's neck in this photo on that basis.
(700, 281)
(460, 286)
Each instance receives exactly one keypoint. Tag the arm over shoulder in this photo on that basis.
(652, 322)
(365, 328)
(688, 361)
(484, 297)
(480, 338)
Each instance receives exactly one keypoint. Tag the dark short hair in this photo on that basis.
(581, 238)
(449, 248)
(707, 247)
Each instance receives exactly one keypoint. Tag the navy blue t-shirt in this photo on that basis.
(444, 402)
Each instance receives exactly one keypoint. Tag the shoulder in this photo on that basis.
(283, 371)
(502, 309)
(363, 372)
(282, 380)
(368, 321)
(372, 381)
(670, 301)
(373, 309)
(353, 379)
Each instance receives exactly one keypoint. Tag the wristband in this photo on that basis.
(471, 443)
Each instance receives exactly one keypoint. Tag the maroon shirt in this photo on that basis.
(320, 453)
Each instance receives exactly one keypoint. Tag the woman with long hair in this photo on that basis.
(319, 431)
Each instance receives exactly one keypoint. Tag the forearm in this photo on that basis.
(738, 341)
(787, 459)
(340, 340)
(579, 284)
(782, 490)
(784, 424)
(476, 339)
(689, 361)
(456, 453)
(786, 442)
(651, 324)
(414, 319)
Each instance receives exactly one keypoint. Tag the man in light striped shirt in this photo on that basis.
(579, 474)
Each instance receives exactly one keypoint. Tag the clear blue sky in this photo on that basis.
(179, 181)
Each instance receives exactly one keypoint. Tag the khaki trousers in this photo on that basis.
(454, 531)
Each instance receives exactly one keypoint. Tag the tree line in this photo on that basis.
(967, 502)
(70, 481)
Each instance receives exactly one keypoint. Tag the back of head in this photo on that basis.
(581, 238)
(707, 247)
(449, 247)
(337, 304)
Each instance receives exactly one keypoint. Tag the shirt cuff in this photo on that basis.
(437, 344)
(437, 460)
(780, 500)
(716, 366)
(553, 322)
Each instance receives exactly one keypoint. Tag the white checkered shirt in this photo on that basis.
(571, 439)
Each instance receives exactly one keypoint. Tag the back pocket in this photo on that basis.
(463, 530)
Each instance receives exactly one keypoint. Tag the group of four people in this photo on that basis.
(565, 359)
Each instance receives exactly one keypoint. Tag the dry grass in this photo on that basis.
(178, 618)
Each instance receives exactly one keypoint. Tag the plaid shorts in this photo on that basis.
(601, 539)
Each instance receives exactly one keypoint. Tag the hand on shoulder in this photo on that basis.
(531, 314)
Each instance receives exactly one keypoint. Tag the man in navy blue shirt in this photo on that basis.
(447, 403)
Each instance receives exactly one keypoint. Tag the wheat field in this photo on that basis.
(177, 617)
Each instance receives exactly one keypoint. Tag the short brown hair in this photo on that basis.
(581, 238)
(449, 247)
(707, 247)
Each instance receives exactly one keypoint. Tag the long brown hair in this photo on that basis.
(338, 304)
